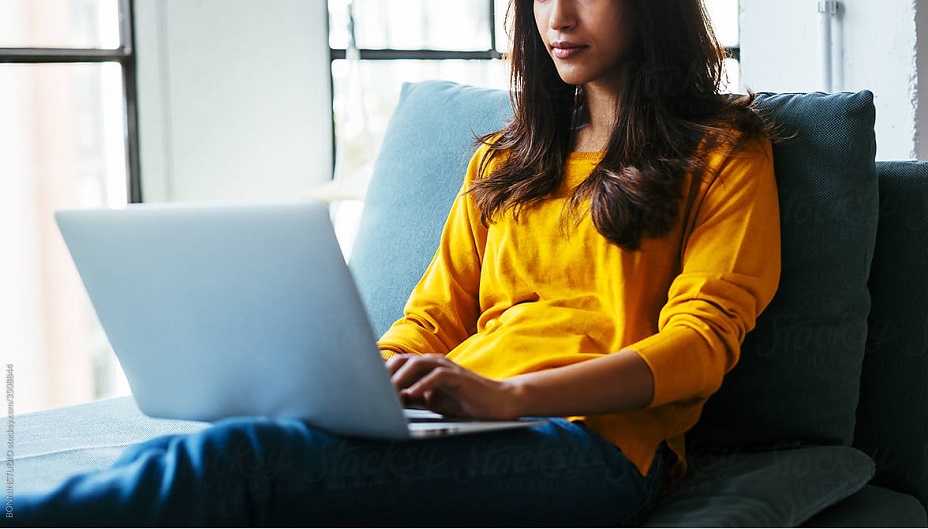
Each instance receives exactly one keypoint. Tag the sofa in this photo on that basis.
(824, 420)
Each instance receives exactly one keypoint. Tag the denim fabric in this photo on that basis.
(282, 473)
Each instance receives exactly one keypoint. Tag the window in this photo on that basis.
(67, 139)
(376, 45)
(724, 15)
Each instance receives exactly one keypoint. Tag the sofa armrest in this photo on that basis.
(52, 445)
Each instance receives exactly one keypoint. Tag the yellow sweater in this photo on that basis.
(522, 296)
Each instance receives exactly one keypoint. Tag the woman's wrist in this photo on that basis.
(517, 401)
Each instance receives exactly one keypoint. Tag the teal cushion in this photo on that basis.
(428, 143)
(893, 413)
(763, 489)
(798, 377)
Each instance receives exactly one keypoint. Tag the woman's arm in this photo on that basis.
(585, 388)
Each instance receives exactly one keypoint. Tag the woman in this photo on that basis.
(595, 267)
(565, 273)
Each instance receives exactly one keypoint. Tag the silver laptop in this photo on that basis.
(221, 310)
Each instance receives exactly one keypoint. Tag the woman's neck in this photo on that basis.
(602, 108)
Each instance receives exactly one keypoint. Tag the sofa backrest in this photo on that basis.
(798, 381)
(892, 418)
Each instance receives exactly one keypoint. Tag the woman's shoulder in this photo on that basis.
(737, 161)
(493, 142)
(730, 143)
(491, 150)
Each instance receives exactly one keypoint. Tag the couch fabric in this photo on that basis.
(892, 422)
(872, 507)
(778, 488)
(54, 444)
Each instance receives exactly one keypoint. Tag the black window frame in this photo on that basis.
(124, 55)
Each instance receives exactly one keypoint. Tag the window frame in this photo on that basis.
(124, 55)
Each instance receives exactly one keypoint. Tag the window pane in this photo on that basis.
(366, 92)
(412, 24)
(501, 9)
(724, 15)
(59, 24)
(733, 75)
(61, 146)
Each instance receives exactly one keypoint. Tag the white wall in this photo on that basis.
(234, 98)
(875, 49)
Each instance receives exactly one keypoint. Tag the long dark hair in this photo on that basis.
(671, 113)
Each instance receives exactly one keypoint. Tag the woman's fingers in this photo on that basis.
(431, 381)
(406, 370)
(440, 390)
(395, 362)
(438, 378)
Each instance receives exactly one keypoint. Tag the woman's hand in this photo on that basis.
(436, 383)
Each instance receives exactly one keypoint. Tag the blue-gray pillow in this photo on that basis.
(798, 379)
(428, 143)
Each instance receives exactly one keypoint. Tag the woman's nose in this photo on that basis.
(561, 14)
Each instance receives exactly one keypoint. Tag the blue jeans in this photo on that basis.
(282, 473)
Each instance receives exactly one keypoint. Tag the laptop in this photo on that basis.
(217, 310)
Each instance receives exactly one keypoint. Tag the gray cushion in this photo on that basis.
(428, 143)
(763, 489)
(872, 507)
(798, 378)
(893, 413)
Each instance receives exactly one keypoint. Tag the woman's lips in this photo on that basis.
(563, 49)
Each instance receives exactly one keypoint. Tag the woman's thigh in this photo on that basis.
(262, 472)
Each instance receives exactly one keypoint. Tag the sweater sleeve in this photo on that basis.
(730, 269)
(443, 308)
